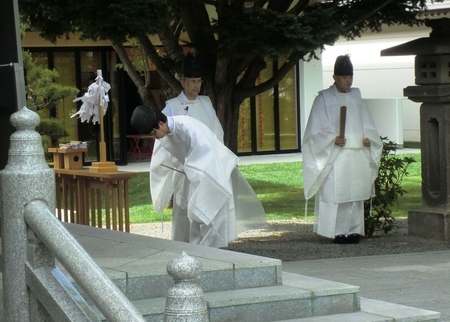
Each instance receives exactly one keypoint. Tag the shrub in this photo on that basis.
(388, 188)
(53, 128)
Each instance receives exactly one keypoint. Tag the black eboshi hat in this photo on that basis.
(343, 66)
(143, 119)
(191, 66)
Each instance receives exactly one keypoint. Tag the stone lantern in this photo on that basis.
(432, 79)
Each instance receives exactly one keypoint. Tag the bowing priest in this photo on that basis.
(202, 174)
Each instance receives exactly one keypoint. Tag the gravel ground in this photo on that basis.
(295, 240)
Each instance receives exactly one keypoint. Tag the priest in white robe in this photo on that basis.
(203, 175)
(340, 170)
(200, 107)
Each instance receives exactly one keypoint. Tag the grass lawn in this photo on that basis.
(279, 186)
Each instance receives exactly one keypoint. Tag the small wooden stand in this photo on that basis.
(67, 158)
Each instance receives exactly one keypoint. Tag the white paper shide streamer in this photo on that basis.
(95, 97)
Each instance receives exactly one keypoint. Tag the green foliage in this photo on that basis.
(253, 33)
(41, 90)
(388, 188)
(411, 144)
(108, 20)
(53, 128)
(367, 15)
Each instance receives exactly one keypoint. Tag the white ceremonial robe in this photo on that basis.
(341, 178)
(208, 189)
(201, 109)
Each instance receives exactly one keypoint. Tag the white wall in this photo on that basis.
(381, 77)
(388, 118)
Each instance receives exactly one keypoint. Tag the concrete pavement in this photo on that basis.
(420, 280)
(252, 159)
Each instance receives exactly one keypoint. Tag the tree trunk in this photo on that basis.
(167, 92)
(226, 104)
(228, 114)
(146, 95)
(142, 84)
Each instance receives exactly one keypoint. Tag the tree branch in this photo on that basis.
(298, 7)
(251, 73)
(134, 75)
(279, 5)
(151, 52)
(274, 80)
(172, 48)
(367, 15)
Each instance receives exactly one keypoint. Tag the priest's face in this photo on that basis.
(191, 87)
(343, 83)
(161, 131)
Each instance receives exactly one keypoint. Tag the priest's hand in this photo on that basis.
(339, 141)
(366, 142)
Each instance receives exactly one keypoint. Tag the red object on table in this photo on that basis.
(141, 146)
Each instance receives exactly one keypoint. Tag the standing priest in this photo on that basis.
(341, 154)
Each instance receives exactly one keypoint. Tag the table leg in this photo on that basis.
(108, 206)
(114, 193)
(127, 206)
(120, 205)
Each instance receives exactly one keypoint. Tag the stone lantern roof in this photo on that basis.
(434, 14)
(437, 44)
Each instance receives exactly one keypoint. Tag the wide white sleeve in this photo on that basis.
(208, 166)
(161, 178)
(250, 212)
(213, 123)
(318, 149)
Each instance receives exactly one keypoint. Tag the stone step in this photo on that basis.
(301, 296)
(221, 271)
(318, 300)
(377, 311)
(371, 311)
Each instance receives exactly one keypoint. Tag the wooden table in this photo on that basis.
(93, 199)
(141, 146)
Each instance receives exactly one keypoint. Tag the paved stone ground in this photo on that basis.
(295, 240)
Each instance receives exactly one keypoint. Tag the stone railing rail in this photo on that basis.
(48, 237)
(34, 289)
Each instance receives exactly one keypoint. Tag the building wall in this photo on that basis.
(381, 77)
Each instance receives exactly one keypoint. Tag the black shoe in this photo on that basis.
(339, 239)
(353, 239)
